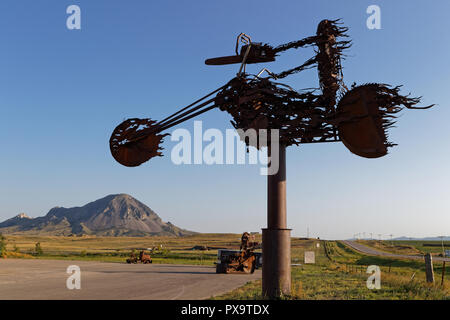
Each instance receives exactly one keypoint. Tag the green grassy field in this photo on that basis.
(117, 249)
(339, 271)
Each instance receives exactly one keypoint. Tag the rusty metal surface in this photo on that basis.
(242, 262)
(276, 278)
(143, 258)
(370, 111)
(259, 103)
(276, 238)
(248, 242)
(276, 194)
(324, 114)
(132, 258)
(133, 142)
(257, 53)
(329, 59)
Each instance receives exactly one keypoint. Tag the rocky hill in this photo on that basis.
(113, 215)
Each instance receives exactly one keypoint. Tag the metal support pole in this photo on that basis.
(276, 271)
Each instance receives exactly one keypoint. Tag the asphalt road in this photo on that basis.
(46, 279)
(371, 251)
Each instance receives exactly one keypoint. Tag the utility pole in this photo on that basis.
(371, 236)
(392, 243)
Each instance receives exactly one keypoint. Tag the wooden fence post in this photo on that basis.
(429, 268)
(443, 274)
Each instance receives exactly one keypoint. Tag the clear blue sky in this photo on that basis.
(63, 91)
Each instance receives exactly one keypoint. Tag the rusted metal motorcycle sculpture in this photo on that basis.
(358, 117)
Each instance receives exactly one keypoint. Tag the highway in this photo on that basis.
(374, 252)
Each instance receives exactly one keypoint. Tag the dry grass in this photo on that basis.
(343, 276)
(17, 255)
(117, 249)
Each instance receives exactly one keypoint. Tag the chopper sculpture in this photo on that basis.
(359, 117)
